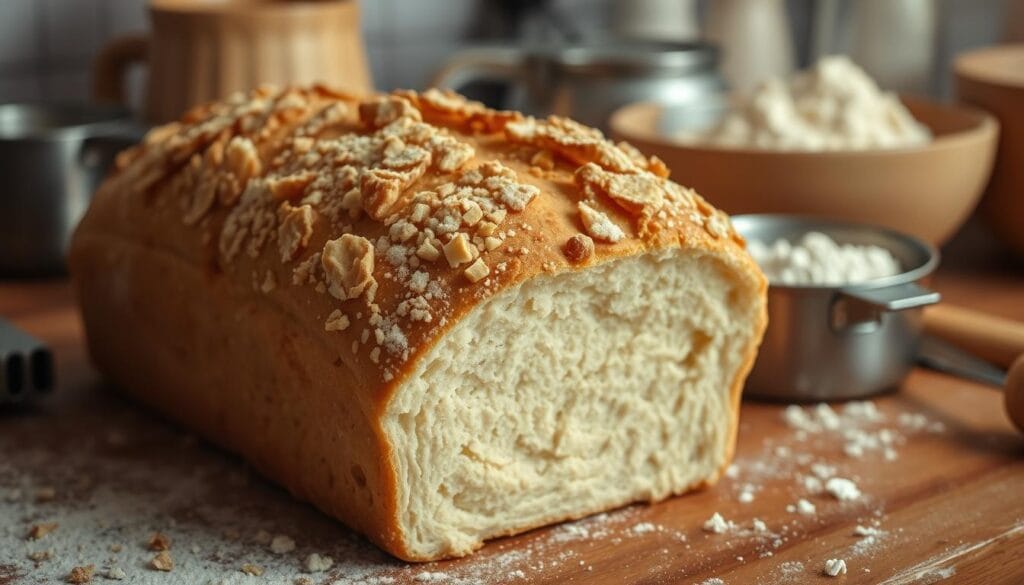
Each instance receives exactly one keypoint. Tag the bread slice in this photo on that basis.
(437, 322)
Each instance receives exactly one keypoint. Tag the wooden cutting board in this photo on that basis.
(942, 482)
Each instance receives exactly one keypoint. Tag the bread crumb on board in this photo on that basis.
(317, 563)
(431, 577)
(41, 555)
(842, 489)
(835, 567)
(866, 531)
(162, 562)
(716, 524)
(82, 574)
(282, 544)
(158, 542)
(251, 569)
(40, 530)
(46, 494)
(802, 507)
(643, 528)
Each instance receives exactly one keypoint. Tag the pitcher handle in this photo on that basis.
(112, 64)
(481, 63)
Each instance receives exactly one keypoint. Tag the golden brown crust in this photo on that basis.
(447, 202)
(378, 223)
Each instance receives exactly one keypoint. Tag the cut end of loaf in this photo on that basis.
(572, 394)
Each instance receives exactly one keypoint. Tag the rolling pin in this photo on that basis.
(996, 339)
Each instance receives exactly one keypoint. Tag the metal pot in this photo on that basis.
(840, 342)
(589, 82)
(52, 157)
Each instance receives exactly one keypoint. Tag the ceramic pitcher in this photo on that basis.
(202, 50)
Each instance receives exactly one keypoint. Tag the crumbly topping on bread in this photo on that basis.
(393, 208)
(579, 248)
(599, 225)
(348, 263)
(295, 227)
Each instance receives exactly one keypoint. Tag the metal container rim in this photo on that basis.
(797, 222)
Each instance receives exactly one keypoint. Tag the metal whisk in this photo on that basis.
(26, 364)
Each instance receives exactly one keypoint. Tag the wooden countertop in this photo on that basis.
(944, 490)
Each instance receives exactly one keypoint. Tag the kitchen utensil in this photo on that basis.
(823, 29)
(755, 39)
(954, 330)
(656, 20)
(840, 342)
(927, 191)
(993, 79)
(1014, 390)
(588, 82)
(998, 340)
(52, 157)
(894, 41)
(26, 364)
(201, 50)
(946, 357)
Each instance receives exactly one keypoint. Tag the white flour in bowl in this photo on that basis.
(817, 259)
(834, 105)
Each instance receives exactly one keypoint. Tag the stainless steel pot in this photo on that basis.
(828, 342)
(589, 82)
(51, 159)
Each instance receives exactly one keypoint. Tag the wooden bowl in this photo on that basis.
(993, 79)
(927, 191)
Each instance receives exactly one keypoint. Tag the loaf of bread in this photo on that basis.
(437, 322)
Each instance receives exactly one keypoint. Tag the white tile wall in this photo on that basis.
(69, 30)
(47, 46)
(120, 17)
(19, 27)
(20, 87)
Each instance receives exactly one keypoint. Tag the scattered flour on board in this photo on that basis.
(842, 489)
(814, 456)
(108, 501)
(104, 504)
(644, 528)
(717, 525)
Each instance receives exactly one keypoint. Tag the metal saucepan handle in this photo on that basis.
(26, 364)
(895, 298)
(861, 310)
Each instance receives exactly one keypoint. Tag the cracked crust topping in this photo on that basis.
(394, 214)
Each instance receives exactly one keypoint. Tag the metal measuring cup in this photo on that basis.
(840, 342)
